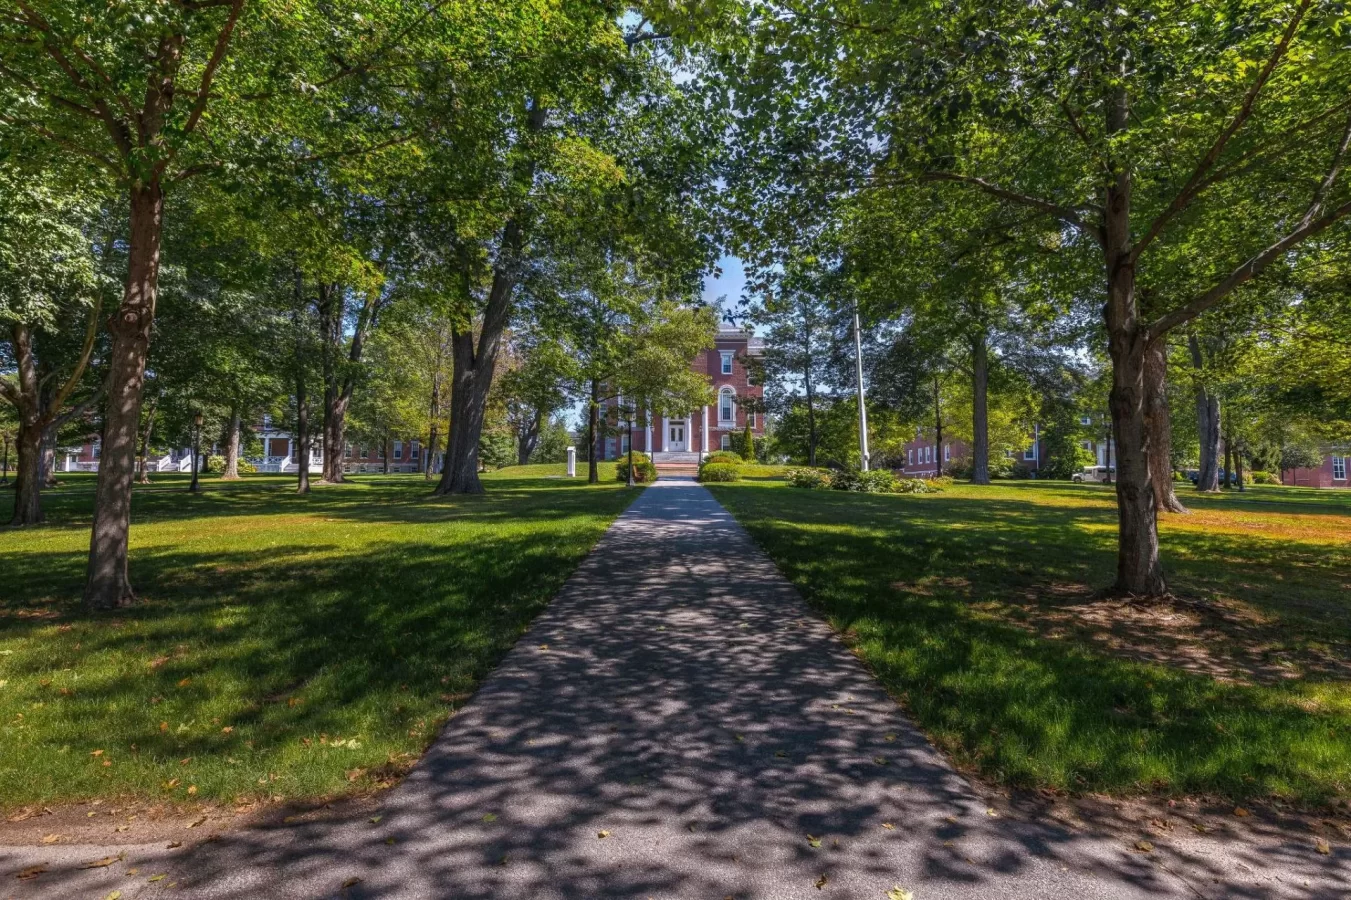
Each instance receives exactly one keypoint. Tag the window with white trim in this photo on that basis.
(929, 453)
(398, 449)
(412, 454)
(1087, 445)
(624, 444)
(727, 362)
(726, 406)
(947, 453)
(750, 417)
(725, 443)
(910, 457)
(1030, 453)
(1339, 468)
(1085, 420)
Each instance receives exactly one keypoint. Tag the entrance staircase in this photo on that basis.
(676, 462)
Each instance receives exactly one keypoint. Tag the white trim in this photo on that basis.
(1338, 462)
(726, 441)
(703, 436)
(727, 357)
(726, 391)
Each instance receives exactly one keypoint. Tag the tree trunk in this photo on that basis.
(47, 455)
(389, 451)
(592, 415)
(528, 438)
(980, 418)
(1228, 462)
(1139, 569)
(1159, 423)
(1207, 424)
(811, 403)
(231, 472)
(473, 363)
(331, 307)
(435, 410)
(1238, 464)
(143, 477)
(108, 585)
(303, 440)
(938, 430)
(29, 477)
(4, 461)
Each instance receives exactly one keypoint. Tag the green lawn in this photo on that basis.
(976, 608)
(283, 646)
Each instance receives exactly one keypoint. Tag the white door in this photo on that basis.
(677, 436)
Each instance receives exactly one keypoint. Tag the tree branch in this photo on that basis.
(86, 352)
(209, 73)
(60, 141)
(1325, 187)
(1249, 270)
(1063, 213)
(1190, 190)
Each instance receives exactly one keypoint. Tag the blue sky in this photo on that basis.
(728, 284)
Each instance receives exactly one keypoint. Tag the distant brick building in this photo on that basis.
(687, 438)
(922, 455)
(1331, 474)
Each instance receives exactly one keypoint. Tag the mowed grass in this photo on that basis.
(976, 608)
(282, 646)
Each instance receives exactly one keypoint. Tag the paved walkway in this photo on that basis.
(679, 725)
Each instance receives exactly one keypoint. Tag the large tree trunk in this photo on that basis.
(1159, 423)
(1228, 462)
(1139, 569)
(473, 362)
(592, 423)
(980, 419)
(389, 451)
(27, 480)
(1238, 464)
(231, 472)
(331, 307)
(107, 585)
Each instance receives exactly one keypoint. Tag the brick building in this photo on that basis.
(687, 438)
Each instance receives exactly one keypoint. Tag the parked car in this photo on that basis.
(1095, 474)
(1225, 477)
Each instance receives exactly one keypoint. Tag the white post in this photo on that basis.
(703, 442)
(862, 406)
(572, 462)
(647, 435)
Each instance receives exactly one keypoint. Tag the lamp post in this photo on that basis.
(196, 451)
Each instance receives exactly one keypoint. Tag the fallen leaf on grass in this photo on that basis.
(351, 881)
(1241, 812)
(822, 882)
(173, 845)
(96, 753)
(375, 820)
(159, 877)
(888, 826)
(813, 841)
(102, 863)
(602, 834)
(1323, 846)
(185, 682)
(51, 839)
(880, 760)
(490, 817)
(1203, 829)
(1144, 846)
(198, 822)
(114, 895)
(390, 841)
(992, 813)
(900, 893)
(31, 872)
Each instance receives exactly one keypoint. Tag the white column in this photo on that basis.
(648, 434)
(572, 462)
(704, 431)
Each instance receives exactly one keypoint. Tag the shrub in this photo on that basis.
(719, 471)
(1017, 470)
(1001, 466)
(759, 451)
(643, 470)
(812, 479)
(1264, 478)
(940, 482)
(919, 486)
(723, 456)
(216, 465)
(874, 481)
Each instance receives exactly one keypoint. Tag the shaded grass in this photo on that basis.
(934, 592)
(282, 646)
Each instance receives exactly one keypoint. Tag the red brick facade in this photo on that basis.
(707, 428)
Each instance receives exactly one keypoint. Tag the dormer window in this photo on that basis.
(727, 362)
